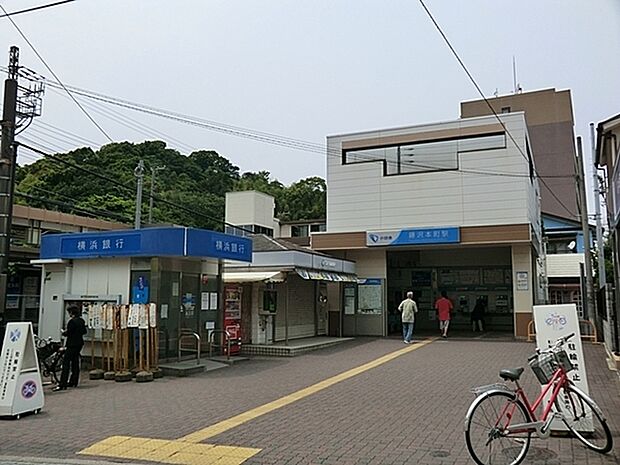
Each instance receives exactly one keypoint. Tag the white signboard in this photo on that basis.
(21, 389)
(522, 281)
(553, 322)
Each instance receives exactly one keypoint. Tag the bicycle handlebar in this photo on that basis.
(559, 343)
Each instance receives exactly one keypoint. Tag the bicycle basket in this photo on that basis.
(543, 367)
(561, 357)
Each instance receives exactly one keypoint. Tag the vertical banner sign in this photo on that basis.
(553, 322)
(21, 389)
(232, 314)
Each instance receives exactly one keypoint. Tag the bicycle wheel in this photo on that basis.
(584, 419)
(56, 367)
(488, 416)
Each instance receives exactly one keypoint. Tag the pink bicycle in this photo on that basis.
(501, 420)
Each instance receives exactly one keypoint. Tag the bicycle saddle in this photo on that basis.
(511, 374)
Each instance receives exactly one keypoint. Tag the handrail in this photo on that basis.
(226, 333)
(185, 334)
(589, 333)
(531, 331)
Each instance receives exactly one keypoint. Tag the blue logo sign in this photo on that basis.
(15, 335)
(29, 389)
(441, 235)
(556, 321)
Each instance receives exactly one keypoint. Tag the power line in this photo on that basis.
(92, 212)
(471, 78)
(266, 137)
(54, 74)
(34, 8)
(126, 188)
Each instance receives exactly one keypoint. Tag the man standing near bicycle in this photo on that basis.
(76, 328)
(444, 306)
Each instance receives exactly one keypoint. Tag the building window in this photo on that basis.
(505, 109)
(300, 230)
(422, 157)
(322, 227)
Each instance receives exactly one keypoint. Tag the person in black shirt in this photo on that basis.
(76, 328)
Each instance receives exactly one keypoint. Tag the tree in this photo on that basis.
(304, 200)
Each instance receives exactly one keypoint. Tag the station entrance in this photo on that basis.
(466, 274)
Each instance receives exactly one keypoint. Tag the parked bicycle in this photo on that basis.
(501, 420)
(50, 354)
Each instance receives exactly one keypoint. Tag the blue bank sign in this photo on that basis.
(414, 236)
(148, 242)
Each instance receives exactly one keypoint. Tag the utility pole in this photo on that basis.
(139, 173)
(7, 163)
(588, 301)
(600, 246)
(153, 171)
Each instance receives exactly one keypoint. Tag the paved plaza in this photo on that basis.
(367, 401)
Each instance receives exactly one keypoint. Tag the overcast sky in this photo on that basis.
(308, 69)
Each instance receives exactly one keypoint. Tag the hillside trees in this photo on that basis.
(192, 187)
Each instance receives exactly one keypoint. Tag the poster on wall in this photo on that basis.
(522, 281)
(140, 290)
(370, 296)
(232, 314)
(349, 300)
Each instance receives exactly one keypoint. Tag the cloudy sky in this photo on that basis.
(304, 69)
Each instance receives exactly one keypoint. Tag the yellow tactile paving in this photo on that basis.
(188, 450)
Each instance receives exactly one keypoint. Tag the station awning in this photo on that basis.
(252, 276)
(318, 275)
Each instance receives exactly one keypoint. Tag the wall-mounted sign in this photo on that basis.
(147, 242)
(445, 235)
(522, 281)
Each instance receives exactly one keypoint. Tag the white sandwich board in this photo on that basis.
(21, 389)
(553, 322)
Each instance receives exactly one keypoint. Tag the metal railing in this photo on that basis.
(212, 332)
(184, 335)
(586, 328)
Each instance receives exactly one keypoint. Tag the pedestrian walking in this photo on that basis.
(444, 307)
(408, 309)
(76, 328)
(477, 314)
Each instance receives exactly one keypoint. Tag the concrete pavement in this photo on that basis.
(406, 408)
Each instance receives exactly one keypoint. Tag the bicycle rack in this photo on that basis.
(211, 344)
(185, 334)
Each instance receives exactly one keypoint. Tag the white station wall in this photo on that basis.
(361, 198)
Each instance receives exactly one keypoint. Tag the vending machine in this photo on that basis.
(232, 317)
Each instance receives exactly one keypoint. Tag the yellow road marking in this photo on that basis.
(187, 451)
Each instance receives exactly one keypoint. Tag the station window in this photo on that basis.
(422, 157)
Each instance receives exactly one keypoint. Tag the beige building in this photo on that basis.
(608, 157)
(28, 226)
(447, 206)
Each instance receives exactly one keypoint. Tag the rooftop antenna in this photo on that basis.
(516, 86)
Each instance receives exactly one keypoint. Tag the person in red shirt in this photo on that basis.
(444, 307)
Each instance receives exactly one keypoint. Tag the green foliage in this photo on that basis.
(304, 200)
(196, 184)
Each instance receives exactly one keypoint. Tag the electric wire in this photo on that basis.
(92, 212)
(35, 8)
(130, 189)
(128, 122)
(54, 74)
(471, 78)
(277, 140)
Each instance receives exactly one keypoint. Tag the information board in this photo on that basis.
(370, 296)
